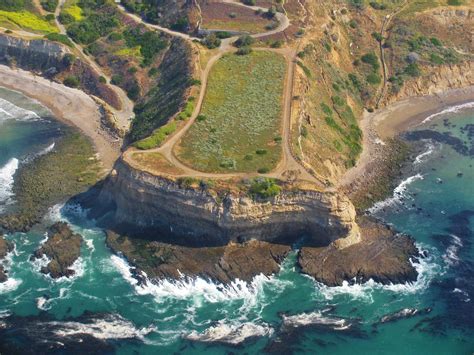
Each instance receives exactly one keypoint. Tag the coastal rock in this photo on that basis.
(63, 248)
(148, 205)
(382, 255)
(220, 264)
(5, 248)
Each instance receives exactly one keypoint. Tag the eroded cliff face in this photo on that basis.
(152, 205)
(441, 79)
(31, 55)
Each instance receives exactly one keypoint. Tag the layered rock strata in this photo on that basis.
(147, 205)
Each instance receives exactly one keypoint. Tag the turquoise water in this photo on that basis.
(287, 313)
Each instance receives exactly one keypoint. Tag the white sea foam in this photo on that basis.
(7, 173)
(453, 109)
(451, 256)
(426, 267)
(421, 158)
(231, 333)
(9, 110)
(109, 327)
(10, 285)
(42, 303)
(197, 289)
(462, 292)
(398, 194)
(305, 319)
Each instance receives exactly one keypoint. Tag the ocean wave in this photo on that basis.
(7, 173)
(107, 327)
(421, 157)
(398, 194)
(426, 267)
(9, 110)
(451, 256)
(197, 289)
(305, 319)
(45, 303)
(452, 109)
(10, 285)
(233, 334)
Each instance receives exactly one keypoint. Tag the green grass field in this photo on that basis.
(239, 126)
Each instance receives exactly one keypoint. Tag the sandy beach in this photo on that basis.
(69, 105)
(399, 117)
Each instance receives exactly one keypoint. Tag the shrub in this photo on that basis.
(232, 15)
(133, 92)
(132, 70)
(338, 101)
(244, 51)
(377, 6)
(49, 17)
(436, 42)
(12, 5)
(69, 59)
(115, 36)
(355, 81)
(56, 37)
(153, 72)
(261, 151)
(326, 109)
(353, 23)
(412, 70)
(65, 18)
(276, 44)
(378, 36)
(304, 131)
(117, 79)
(71, 81)
(263, 170)
(436, 59)
(373, 78)
(102, 80)
(244, 41)
(372, 59)
(264, 188)
(157, 137)
(278, 139)
(248, 157)
(454, 2)
(49, 5)
(201, 118)
(212, 41)
(249, 2)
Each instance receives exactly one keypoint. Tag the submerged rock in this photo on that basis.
(222, 264)
(5, 248)
(382, 256)
(63, 248)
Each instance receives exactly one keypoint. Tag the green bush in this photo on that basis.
(244, 51)
(304, 131)
(374, 79)
(12, 5)
(436, 42)
(201, 118)
(117, 79)
(263, 170)
(71, 81)
(261, 151)
(454, 2)
(244, 41)
(372, 59)
(66, 18)
(264, 187)
(412, 70)
(115, 36)
(338, 101)
(436, 59)
(150, 43)
(326, 109)
(56, 37)
(157, 137)
(49, 5)
(92, 28)
(212, 41)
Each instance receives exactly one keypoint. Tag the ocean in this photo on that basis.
(102, 309)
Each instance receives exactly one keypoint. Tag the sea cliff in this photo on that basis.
(143, 203)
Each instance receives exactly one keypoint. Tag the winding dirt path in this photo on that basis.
(123, 116)
(288, 164)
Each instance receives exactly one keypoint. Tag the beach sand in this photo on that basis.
(68, 105)
(397, 118)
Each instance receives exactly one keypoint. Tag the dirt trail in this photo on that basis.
(125, 114)
(288, 163)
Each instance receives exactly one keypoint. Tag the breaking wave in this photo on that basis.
(421, 157)
(233, 334)
(108, 327)
(453, 109)
(9, 110)
(426, 268)
(451, 256)
(398, 194)
(7, 173)
(197, 289)
(10, 285)
(317, 317)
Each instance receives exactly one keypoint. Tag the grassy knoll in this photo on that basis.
(239, 127)
(26, 20)
(155, 163)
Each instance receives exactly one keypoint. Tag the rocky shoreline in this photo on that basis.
(62, 248)
(5, 248)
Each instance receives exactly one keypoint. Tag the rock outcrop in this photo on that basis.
(220, 264)
(63, 248)
(147, 205)
(382, 255)
(5, 248)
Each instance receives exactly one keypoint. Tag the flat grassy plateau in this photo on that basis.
(239, 127)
